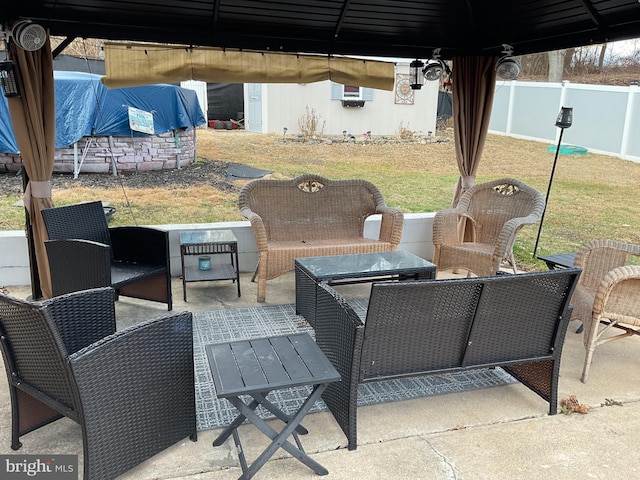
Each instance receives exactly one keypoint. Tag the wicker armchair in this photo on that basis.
(132, 392)
(607, 294)
(85, 253)
(494, 212)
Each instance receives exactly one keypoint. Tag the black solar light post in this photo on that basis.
(564, 120)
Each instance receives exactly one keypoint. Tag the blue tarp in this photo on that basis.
(84, 107)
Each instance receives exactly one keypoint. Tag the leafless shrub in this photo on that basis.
(404, 132)
(443, 124)
(309, 123)
(81, 47)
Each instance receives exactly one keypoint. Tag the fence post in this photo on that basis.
(512, 94)
(626, 132)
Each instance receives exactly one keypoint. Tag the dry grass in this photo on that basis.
(153, 206)
(593, 196)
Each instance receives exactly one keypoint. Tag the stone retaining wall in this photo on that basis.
(155, 152)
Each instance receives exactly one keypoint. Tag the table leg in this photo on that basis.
(278, 413)
(279, 440)
(236, 265)
(184, 282)
(234, 425)
(258, 399)
(241, 456)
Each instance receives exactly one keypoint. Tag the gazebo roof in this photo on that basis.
(389, 28)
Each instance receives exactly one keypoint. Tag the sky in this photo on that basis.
(625, 47)
(622, 48)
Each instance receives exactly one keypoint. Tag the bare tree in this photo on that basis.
(81, 47)
(603, 51)
(556, 65)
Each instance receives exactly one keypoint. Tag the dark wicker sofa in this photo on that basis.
(131, 391)
(84, 253)
(517, 322)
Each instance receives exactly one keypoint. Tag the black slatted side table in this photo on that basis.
(258, 366)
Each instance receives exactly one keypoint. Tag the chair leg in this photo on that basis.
(587, 365)
(28, 414)
(262, 289)
(255, 272)
(261, 273)
(512, 262)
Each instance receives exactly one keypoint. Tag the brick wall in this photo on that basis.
(131, 153)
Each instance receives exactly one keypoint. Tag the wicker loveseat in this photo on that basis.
(310, 216)
(517, 322)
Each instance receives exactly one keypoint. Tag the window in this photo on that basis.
(351, 92)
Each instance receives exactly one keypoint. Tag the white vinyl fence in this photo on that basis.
(606, 119)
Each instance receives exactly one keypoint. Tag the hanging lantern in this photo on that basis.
(9, 79)
(415, 71)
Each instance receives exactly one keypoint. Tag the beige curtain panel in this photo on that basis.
(474, 80)
(129, 65)
(33, 116)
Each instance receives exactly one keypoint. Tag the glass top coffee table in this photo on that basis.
(354, 268)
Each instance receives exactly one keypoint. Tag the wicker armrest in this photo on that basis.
(445, 226)
(507, 237)
(78, 265)
(392, 224)
(144, 245)
(336, 324)
(339, 334)
(257, 225)
(137, 392)
(618, 288)
(83, 318)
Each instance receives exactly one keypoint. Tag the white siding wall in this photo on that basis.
(284, 104)
(201, 91)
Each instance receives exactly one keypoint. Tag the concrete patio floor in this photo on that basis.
(496, 433)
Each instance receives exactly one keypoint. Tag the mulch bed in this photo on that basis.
(211, 172)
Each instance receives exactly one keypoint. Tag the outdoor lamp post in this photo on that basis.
(564, 120)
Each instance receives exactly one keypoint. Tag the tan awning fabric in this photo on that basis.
(129, 65)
